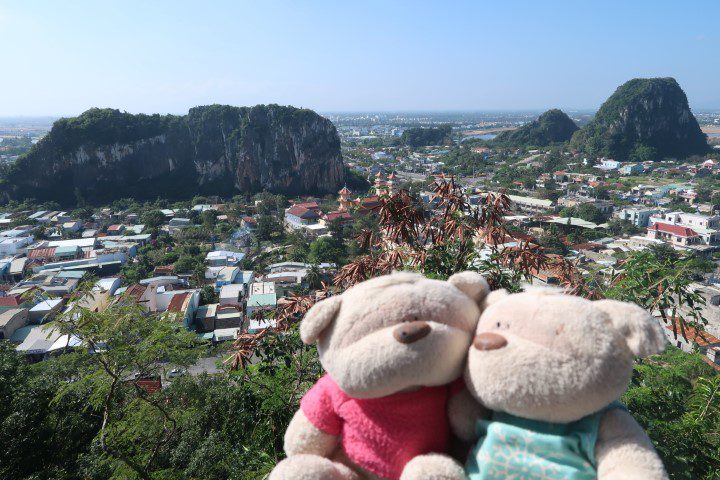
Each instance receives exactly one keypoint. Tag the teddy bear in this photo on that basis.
(393, 348)
(551, 368)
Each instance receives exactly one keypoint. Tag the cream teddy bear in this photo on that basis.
(392, 347)
(551, 367)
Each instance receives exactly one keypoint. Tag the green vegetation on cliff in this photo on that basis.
(422, 137)
(105, 154)
(645, 119)
(553, 126)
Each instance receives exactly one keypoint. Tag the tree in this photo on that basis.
(152, 219)
(123, 348)
(267, 227)
(418, 137)
(208, 295)
(86, 415)
(660, 281)
(552, 244)
(83, 213)
(325, 249)
(673, 397)
(208, 218)
(299, 246)
(314, 277)
(567, 212)
(617, 226)
(39, 432)
(715, 200)
(643, 153)
(590, 213)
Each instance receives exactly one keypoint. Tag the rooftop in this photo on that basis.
(178, 302)
(677, 230)
(302, 212)
(8, 315)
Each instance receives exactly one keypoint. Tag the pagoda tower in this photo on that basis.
(379, 184)
(344, 199)
(390, 182)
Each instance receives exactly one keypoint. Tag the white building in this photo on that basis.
(530, 204)
(232, 294)
(640, 217)
(224, 258)
(13, 246)
(703, 228)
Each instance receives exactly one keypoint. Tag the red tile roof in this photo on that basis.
(302, 212)
(150, 385)
(136, 291)
(308, 205)
(702, 338)
(368, 204)
(177, 302)
(164, 270)
(41, 253)
(11, 301)
(343, 216)
(677, 230)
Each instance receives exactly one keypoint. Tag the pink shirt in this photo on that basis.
(382, 434)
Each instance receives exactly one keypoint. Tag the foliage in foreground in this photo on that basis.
(226, 426)
(676, 398)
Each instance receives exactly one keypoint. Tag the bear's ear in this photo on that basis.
(471, 284)
(494, 296)
(643, 334)
(318, 318)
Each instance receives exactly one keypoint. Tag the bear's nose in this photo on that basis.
(489, 341)
(411, 331)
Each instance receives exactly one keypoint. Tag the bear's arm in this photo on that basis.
(464, 412)
(304, 437)
(624, 451)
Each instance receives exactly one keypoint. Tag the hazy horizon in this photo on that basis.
(332, 57)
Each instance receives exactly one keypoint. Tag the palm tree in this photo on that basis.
(704, 402)
(314, 277)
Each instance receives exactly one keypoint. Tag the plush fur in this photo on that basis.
(559, 358)
(358, 346)
(358, 349)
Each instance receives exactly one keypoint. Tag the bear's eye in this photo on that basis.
(498, 324)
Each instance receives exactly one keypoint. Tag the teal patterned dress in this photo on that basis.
(514, 448)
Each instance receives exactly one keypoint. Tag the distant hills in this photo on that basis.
(553, 126)
(105, 154)
(645, 119)
(422, 137)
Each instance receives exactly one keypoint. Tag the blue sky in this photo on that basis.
(62, 57)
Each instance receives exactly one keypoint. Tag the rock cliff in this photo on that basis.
(106, 154)
(553, 126)
(645, 119)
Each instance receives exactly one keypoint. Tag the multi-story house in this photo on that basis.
(301, 215)
(694, 228)
(640, 217)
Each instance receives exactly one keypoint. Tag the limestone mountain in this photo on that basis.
(105, 154)
(646, 118)
(553, 126)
